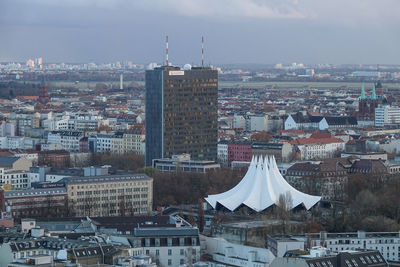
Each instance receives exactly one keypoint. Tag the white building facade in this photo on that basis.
(387, 115)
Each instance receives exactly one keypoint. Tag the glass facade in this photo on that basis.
(181, 113)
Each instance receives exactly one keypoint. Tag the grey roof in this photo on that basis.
(8, 161)
(341, 120)
(34, 192)
(166, 231)
(105, 178)
(261, 145)
(67, 133)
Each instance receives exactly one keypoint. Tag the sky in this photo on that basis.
(235, 31)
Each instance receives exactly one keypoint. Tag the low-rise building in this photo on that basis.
(185, 164)
(15, 163)
(387, 243)
(35, 202)
(224, 253)
(318, 257)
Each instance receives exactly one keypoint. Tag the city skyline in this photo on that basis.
(248, 31)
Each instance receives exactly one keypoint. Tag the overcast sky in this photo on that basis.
(235, 31)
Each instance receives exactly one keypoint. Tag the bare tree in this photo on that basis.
(283, 209)
(200, 215)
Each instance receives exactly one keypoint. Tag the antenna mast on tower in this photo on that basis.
(166, 51)
(202, 51)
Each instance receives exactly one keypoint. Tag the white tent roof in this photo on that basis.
(260, 188)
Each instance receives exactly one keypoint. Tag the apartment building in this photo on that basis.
(319, 145)
(118, 143)
(99, 143)
(110, 195)
(134, 140)
(14, 179)
(69, 140)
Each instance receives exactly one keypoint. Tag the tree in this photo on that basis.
(262, 136)
(150, 171)
(200, 215)
(122, 206)
(191, 216)
(283, 209)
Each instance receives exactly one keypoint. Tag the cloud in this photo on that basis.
(267, 9)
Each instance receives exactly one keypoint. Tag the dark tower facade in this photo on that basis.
(181, 113)
(43, 95)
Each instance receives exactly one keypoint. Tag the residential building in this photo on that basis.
(283, 152)
(259, 122)
(181, 113)
(15, 163)
(168, 240)
(16, 179)
(222, 150)
(318, 145)
(134, 140)
(239, 151)
(7, 129)
(69, 140)
(117, 143)
(99, 143)
(239, 122)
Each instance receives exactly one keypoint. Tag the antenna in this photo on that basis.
(202, 51)
(166, 51)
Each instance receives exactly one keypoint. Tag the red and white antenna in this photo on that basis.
(166, 51)
(202, 51)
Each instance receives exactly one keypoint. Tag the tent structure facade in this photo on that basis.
(261, 188)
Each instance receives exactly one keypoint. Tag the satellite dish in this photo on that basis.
(187, 67)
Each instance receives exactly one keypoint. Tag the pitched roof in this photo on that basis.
(341, 120)
(304, 141)
(8, 161)
(320, 135)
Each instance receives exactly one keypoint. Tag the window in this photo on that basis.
(169, 251)
(169, 262)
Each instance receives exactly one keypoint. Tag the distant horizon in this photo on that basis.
(284, 64)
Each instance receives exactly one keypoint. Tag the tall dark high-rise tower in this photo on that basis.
(181, 112)
(43, 95)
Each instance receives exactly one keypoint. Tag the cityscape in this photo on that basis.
(218, 136)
